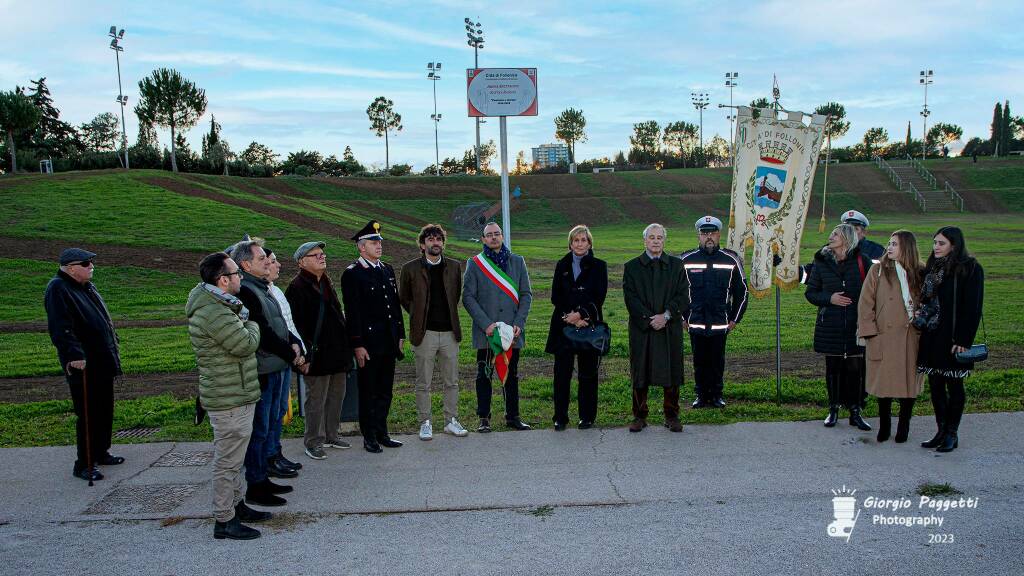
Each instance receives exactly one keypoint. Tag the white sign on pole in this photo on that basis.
(501, 91)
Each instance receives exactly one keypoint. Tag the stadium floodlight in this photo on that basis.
(731, 81)
(115, 45)
(433, 74)
(700, 102)
(475, 38)
(924, 79)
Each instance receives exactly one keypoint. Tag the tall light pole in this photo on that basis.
(434, 74)
(700, 102)
(925, 79)
(115, 45)
(475, 38)
(731, 81)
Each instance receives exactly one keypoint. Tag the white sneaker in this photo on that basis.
(426, 431)
(455, 429)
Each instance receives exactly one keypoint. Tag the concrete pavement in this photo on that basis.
(749, 498)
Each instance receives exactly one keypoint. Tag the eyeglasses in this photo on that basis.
(317, 255)
(84, 264)
(235, 273)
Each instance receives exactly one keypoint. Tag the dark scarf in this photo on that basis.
(500, 257)
(927, 314)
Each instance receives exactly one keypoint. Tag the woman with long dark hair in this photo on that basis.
(948, 315)
(833, 285)
(578, 290)
(891, 291)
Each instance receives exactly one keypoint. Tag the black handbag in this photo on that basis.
(596, 336)
(977, 352)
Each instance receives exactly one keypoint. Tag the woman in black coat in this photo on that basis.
(578, 290)
(834, 287)
(950, 310)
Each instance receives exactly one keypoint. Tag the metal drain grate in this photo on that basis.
(172, 459)
(136, 432)
(143, 499)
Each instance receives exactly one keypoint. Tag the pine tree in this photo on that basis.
(997, 129)
(52, 136)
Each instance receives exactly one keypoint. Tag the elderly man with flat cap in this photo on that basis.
(87, 346)
(376, 333)
(318, 316)
(718, 299)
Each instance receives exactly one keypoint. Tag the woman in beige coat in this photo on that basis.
(892, 289)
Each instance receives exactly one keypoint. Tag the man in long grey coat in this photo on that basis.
(496, 288)
(657, 297)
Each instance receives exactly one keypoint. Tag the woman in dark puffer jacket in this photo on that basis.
(834, 287)
(950, 310)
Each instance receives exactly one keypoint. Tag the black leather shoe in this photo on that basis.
(234, 530)
(276, 488)
(949, 442)
(833, 416)
(936, 440)
(559, 426)
(108, 460)
(260, 494)
(699, 403)
(718, 403)
(246, 514)
(276, 470)
(856, 420)
(389, 442)
(372, 446)
(288, 463)
(88, 474)
(585, 425)
(517, 424)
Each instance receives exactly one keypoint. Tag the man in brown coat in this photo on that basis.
(429, 290)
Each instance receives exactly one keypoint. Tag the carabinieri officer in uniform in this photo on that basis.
(376, 332)
(718, 299)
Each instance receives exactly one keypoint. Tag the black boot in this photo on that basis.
(903, 425)
(949, 442)
(936, 440)
(884, 419)
(259, 493)
(234, 529)
(833, 416)
(937, 389)
(856, 420)
(246, 514)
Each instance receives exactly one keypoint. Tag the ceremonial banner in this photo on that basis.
(771, 190)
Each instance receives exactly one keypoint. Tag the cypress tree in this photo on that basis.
(1006, 133)
(997, 129)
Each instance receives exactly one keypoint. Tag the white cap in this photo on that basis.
(706, 222)
(854, 217)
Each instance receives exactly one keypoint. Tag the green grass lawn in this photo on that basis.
(52, 423)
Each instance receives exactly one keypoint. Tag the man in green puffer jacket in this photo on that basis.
(225, 343)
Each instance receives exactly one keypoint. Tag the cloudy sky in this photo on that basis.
(300, 74)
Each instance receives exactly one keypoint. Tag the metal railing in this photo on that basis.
(918, 196)
(955, 196)
(881, 163)
(922, 171)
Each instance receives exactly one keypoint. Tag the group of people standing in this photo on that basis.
(885, 320)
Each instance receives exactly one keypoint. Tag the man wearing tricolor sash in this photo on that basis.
(496, 290)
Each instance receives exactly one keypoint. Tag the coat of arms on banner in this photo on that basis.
(771, 189)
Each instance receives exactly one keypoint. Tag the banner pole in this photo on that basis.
(776, 260)
(506, 221)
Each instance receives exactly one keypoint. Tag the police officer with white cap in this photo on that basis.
(860, 222)
(718, 299)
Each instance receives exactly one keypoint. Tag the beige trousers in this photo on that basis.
(439, 347)
(324, 397)
(231, 431)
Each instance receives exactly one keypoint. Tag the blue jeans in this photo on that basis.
(263, 426)
(280, 401)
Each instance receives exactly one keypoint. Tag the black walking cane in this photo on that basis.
(85, 410)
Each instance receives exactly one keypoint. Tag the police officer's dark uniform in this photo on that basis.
(370, 294)
(718, 296)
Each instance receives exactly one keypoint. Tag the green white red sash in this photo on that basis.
(496, 275)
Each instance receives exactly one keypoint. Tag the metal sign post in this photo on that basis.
(506, 221)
